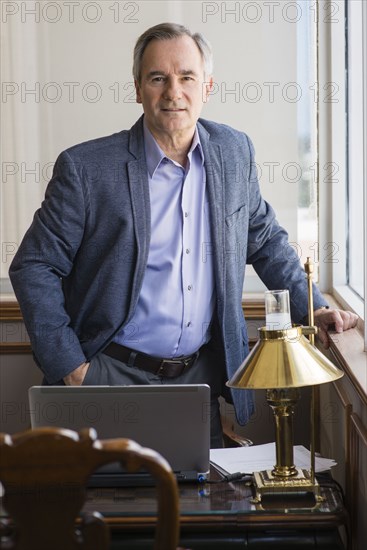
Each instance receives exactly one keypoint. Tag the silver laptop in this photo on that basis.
(171, 419)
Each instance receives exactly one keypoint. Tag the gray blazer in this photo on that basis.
(79, 269)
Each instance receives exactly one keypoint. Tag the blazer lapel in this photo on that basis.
(140, 203)
(215, 186)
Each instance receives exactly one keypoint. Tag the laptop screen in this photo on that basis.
(171, 419)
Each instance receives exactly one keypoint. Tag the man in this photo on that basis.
(132, 270)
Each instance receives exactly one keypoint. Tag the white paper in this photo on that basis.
(262, 457)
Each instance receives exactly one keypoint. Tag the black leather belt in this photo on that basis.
(170, 368)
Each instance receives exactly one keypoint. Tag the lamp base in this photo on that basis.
(266, 483)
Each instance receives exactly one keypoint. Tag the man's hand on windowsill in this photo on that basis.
(337, 319)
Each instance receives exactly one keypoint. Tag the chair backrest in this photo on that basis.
(44, 474)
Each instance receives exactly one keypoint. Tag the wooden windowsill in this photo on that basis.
(348, 350)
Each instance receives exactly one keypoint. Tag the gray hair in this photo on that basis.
(168, 31)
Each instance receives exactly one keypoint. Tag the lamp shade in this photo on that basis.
(284, 359)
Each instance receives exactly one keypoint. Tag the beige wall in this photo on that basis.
(67, 75)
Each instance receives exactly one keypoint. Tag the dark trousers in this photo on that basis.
(106, 371)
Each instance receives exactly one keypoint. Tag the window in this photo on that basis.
(343, 149)
(355, 147)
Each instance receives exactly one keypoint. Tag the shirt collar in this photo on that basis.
(154, 154)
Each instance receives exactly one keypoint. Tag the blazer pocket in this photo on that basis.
(237, 216)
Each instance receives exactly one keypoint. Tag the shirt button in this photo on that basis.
(187, 251)
(189, 324)
(186, 214)
(189, 287)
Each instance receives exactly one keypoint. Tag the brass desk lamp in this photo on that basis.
(281, 362)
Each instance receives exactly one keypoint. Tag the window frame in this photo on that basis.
(355, 142)
(332, 127)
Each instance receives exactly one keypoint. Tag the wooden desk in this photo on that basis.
(221, 516)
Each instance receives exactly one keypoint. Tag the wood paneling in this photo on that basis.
(356, 480)
(10, 348)
(10, 311)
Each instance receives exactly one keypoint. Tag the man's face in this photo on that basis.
(172, 89)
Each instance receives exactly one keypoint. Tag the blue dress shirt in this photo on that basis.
(176, 302)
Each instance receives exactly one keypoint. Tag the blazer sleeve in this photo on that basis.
(44, 258)
(273, 258)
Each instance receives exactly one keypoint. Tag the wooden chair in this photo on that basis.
(44, 474)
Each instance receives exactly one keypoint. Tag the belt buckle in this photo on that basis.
(184, 362)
